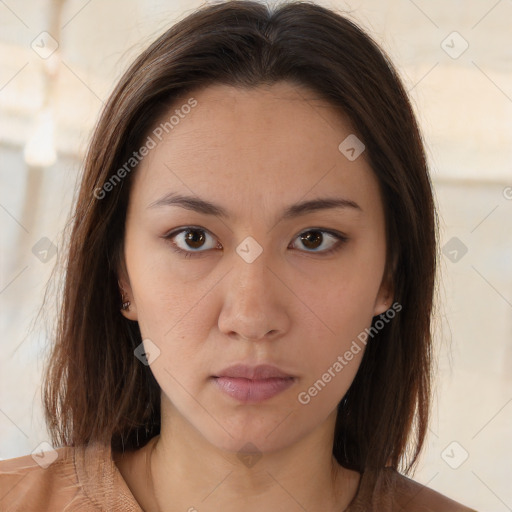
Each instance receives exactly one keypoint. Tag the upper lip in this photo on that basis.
(262, 371)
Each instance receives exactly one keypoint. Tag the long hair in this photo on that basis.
(94, 387)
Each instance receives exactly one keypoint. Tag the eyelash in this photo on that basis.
(341, 240)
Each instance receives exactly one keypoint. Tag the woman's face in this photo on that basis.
(254, 285)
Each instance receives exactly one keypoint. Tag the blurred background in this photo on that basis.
(59, 60)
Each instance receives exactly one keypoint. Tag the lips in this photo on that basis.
(252, 384)
(262, 371)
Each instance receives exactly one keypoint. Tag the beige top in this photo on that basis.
(86, 479)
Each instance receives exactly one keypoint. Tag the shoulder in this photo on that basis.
(67, 479)
(38, 481)
(387, 490)
(411, 496)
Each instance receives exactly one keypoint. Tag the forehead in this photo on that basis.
(273, 144)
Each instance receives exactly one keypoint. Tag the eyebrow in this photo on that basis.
(295, 210)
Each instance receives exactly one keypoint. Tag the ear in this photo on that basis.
(125, 293)
(384, 298)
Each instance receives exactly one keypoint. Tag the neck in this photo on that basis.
(188, 473)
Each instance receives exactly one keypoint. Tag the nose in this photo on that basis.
(255, 301)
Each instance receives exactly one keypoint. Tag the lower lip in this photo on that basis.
(252, 391)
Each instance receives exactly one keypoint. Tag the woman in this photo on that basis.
(249, 283)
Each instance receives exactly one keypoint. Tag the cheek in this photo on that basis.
(171, 310)
(351, 291)
(338, 352)
(333, 351)
(342, 299)
(342, 310)
(164, 290)
(324, 391)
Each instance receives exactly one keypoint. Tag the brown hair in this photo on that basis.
(95, 389)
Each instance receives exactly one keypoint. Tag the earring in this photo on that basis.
(125, 302)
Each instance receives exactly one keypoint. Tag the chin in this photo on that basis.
(263, 438)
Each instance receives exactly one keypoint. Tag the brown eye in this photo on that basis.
(191, 240)
(312, 239)
(194, 238)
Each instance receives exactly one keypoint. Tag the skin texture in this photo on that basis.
(254, 152)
